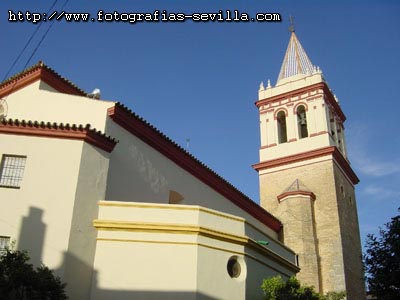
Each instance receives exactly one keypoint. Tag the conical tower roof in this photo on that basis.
(295, 61)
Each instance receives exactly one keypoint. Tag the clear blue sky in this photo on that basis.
(200, 80)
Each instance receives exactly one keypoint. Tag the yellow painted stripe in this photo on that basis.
(169, 228)
(108, 225)
(170, 206)
(197, 244)
(192, 208)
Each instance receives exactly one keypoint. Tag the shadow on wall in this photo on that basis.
(150, 295)
(31, 238)
(134, 172)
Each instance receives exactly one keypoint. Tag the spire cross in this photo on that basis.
(291, 27)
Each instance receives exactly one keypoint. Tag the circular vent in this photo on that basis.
(233, 267)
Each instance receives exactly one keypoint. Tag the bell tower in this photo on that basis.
(305, 176)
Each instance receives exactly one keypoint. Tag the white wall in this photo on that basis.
(37, 102)
(47, 191)
(51, 214)
(139, 173)
(91, 187)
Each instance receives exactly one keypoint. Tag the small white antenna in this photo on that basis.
(187, 144)
(95, 94)
(3, 109)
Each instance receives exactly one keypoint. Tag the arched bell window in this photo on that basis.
(302, 121)
(332, 125)
(282, 131)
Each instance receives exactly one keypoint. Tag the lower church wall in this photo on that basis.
(31, 216)
(152, 251)
(50, 214)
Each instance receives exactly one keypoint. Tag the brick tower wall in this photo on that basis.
(335, 223)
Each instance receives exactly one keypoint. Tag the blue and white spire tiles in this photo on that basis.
(296, 60)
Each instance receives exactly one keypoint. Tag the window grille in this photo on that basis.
(4, 243)
(11, 170)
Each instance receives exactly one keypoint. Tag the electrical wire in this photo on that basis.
(27, 44)
(34, 50)
(43, 37)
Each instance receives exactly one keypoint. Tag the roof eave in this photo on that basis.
(39, 72)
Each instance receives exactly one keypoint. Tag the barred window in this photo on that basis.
(11, 170)
(4, 243)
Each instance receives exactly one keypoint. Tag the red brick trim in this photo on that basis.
(344, 164)
(296, 193)
(279, 110)
(39, 72)
(268, 146)
(265, 111)
(61, 131)
(314, 87)
(297, 105)
(318, 133)
(157, 140)
(318, 96)
(331, 150)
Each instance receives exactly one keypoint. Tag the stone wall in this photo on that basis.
(335, 228)
(351, 243)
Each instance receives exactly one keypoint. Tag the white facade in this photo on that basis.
(324, 127)
(125, 214)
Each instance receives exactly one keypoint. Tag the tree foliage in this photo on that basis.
(19, 280)
(382, 261)
(275, 288)
(334, 296)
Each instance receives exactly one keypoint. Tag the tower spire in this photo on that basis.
(296, 60)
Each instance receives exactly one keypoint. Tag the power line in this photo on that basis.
(27, 43)
(38, 45)
(43, 37)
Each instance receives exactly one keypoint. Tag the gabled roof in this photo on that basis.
(39, 72)
(58, 130)
(295, 61)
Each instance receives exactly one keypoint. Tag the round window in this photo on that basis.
(233, 267)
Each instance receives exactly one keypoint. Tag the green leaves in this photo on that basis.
(275, 288)
(272, 286)
(19, 280)
(382, 261)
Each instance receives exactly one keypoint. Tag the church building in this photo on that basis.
(120, 211)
